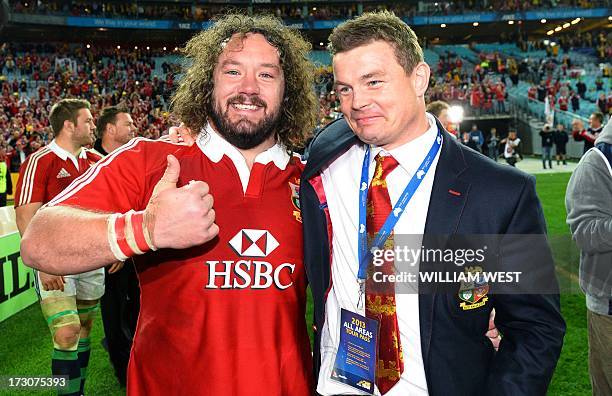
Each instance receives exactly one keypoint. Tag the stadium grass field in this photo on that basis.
(25, 347)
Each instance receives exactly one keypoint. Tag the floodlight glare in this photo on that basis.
(455, 114)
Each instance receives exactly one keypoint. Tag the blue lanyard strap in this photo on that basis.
(365, 252)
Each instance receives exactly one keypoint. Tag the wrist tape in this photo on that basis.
(127, 235)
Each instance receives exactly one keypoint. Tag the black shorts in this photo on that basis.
(560, 149)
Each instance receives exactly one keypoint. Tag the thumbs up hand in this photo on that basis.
(179, 218)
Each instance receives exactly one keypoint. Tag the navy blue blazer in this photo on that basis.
(484, 198)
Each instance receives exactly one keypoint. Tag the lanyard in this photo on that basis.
(365, 252)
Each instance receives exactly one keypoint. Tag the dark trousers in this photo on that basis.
(119, 307)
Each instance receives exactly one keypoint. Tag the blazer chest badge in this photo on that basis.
(473, 293)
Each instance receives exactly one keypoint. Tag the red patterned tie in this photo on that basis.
(380, 297)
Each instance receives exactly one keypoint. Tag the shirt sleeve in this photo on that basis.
(117, 183)
(33, 179)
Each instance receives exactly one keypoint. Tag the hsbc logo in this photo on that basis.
(247, 273)
(253, 243)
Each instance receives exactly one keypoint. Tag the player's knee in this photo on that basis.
(67, 337)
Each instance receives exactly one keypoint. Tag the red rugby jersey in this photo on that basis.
(48, 171)
(227, 317)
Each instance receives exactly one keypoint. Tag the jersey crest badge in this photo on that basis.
(295, 199)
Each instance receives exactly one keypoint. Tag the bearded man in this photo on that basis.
(223, 290)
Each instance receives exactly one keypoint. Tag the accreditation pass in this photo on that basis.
(355, 363)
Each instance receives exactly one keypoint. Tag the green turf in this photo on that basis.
(25, 347)
(551, 190)
(571, 376)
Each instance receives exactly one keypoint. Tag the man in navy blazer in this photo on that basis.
(381, 80)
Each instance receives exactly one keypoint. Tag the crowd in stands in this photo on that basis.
(460, 7)
(33, 78)
(329, 103)
(568, 86)
(195, 12)
(480, 82)
(480, 88)
(595, 40)
(567, 95)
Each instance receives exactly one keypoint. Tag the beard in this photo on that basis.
(244, 133)
(85, 139)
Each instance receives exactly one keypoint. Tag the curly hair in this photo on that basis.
(194, 97)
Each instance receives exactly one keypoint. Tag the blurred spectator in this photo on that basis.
(581, 88)
(595, 125)
(17, 156)
(602, 103)
(440, 109)
(512, 148)
(560, 138)
(563, 103)
(500, 97)
(581, 135)
(493, 144)
(6, 183)
(477, 137)
(542, 91)
(575, 101)
(547, 144)
(468, 141)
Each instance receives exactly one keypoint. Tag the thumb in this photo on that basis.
(170, 177)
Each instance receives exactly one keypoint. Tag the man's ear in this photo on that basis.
(421, 75)
(69, 125)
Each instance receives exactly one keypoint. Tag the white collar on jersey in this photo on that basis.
(214, 147)
(410, 155)
(64, 154)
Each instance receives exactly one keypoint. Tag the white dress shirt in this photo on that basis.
(341, 181)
